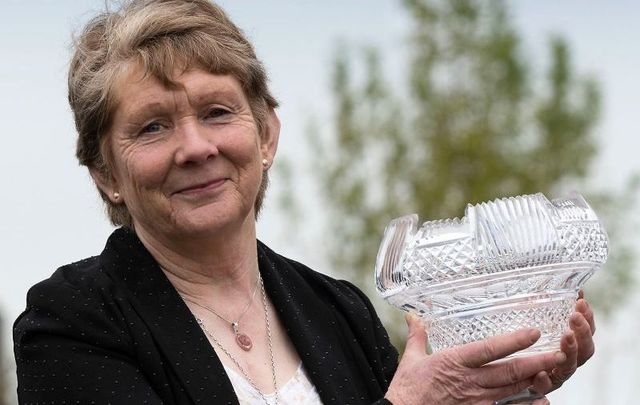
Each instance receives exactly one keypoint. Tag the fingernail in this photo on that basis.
(411, 317)
(560, 357)
(567, 334)
(575, 320)
(533, 334)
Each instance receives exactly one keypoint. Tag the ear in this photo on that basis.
(269, 140)
(105, 183)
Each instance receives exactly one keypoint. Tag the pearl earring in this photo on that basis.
(116, 196)
(265, 162)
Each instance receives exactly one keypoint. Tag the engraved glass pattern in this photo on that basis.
(507, 264)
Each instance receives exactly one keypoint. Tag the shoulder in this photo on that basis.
(77, 298)
(75, 341)
(84, 277)
(73, 276)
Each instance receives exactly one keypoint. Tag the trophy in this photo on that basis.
(508, 264)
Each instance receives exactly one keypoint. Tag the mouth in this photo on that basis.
(201, 187)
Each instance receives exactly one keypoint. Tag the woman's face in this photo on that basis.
(186, 160)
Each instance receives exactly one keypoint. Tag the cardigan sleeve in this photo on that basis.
(71, 347)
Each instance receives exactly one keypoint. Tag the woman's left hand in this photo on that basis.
(577, 344)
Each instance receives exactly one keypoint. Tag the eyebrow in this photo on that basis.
(225, 92)
(139, 112)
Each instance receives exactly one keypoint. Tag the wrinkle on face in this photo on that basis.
(148, 166)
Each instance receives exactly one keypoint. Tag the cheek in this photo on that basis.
(252, 164)
(142, 171)
(243, 151)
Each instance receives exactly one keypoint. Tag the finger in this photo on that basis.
(542, 382)
(581, 294)
(417, 336)
(519, 393)
(584, 308)
(477, 354)
(541, 401)
(582, 331)
(564, 370)
(511, 371)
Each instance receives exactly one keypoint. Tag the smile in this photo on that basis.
(202, 187)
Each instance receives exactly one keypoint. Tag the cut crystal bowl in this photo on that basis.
(507, 264)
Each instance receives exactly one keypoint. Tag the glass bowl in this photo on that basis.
(507, 264)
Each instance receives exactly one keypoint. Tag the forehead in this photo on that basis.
(134, 87)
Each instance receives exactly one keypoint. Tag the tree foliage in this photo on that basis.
(475, 123)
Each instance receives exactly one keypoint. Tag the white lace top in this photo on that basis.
(298, 390)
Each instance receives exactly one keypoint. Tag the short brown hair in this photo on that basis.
(161, 36)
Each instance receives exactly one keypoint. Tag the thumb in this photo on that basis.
(417, 336)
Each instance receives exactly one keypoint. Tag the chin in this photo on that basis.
(209, 224)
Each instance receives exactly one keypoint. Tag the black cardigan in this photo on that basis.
(112, 329)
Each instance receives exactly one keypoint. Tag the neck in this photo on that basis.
(223, 264)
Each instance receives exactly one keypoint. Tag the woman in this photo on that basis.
(178, 130)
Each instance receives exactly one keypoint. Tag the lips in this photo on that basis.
(201, 187)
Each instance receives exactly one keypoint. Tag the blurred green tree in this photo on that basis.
(476, 124)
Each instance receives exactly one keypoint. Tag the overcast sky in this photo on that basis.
(51, 214)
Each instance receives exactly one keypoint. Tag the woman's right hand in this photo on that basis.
(462, 375)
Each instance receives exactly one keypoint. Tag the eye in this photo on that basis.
(216, 112)
(152, 128)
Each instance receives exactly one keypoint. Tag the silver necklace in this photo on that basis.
(242, 339)
(237, 363)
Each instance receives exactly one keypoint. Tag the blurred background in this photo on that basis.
(388, 107)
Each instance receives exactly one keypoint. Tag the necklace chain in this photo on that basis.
(213, 311)
(242, 339)
(236, 362)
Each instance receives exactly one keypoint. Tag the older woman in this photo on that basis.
(178, 130)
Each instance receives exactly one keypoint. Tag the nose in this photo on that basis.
(195, 144)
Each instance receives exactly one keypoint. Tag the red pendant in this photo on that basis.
(244, 341)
